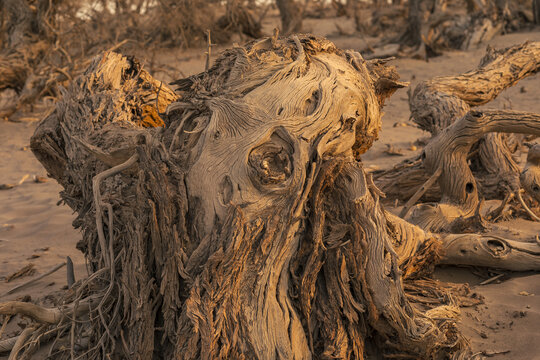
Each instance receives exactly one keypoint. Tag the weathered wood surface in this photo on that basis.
(243, 226)
(449, 151)
(436, 106)
(232, 218)
(438, 102)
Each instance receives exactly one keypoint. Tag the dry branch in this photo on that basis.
(437, 105)
(449, 150)
(44, 315)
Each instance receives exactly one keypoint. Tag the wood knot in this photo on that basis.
(271, 163)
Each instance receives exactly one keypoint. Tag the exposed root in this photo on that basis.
(19, 343)
(96, 182)
(45, 315)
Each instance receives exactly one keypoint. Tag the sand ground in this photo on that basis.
(33, 229)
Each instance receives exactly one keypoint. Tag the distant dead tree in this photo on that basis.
(536, 11)
(291, 13)
(413, 34)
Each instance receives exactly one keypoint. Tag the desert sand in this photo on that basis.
(35, 229)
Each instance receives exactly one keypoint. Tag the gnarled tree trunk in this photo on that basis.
(238, 224)
(233, 218)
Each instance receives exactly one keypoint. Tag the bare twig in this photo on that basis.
(46, 315)
(418, 194)
(495, 214)
(23, 179)
(492, 279)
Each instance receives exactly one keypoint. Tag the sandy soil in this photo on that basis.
(33, 229)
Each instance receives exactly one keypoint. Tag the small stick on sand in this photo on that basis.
(11, 186)
(23, 179)
(492, 279)
(29, 282)
(489, 353)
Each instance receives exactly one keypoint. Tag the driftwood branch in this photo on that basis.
(490, 251)
(45, 315)
(437, 103)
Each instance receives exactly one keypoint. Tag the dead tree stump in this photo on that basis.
(231, 219)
